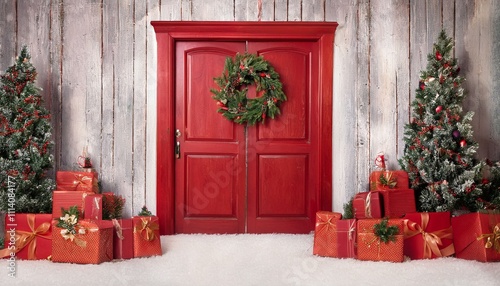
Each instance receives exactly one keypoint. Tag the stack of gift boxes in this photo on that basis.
(386, 227)
(76, 232)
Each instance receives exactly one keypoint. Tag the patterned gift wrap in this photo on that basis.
(93, 247)
(398, 202)
(428, 235)
(476, 236)
(77, 181)
(371, 248)
(33, 236)
(367, 205)
(146, 236)
(384, 180)
(325, 239)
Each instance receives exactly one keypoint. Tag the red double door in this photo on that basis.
(232, 178)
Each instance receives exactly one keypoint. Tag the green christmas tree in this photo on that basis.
(25, 141)
(439, 146)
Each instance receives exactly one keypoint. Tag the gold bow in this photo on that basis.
(492, 239)
(432, 240)
(24, 238)
(82, 179)
(146, 228)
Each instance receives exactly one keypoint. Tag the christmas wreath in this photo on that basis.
(231, 96)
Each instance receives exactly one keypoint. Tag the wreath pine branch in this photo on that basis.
(231, 95)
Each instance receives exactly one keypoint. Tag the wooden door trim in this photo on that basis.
(168, 32)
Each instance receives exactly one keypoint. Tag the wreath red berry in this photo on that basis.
(231, 95)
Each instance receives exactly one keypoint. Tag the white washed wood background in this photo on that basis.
(97, 65)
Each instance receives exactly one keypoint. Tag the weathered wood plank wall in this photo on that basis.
(97, 65)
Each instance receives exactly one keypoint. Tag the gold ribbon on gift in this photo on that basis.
(81, 179)
(368, 207)
(492, 239)
(387, 180)
(118, 228)
(146, 228)
(432, 240)
(28, 238)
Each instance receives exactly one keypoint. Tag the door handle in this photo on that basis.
(177, 147)
(177, 150)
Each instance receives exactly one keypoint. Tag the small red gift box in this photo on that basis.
(476, 236)
(93, 247)
(77, 181)
(370, 247)
(93, 207)
(367, 205)
(428, 235)
(66, 199)
(123, 239)
(398, 202)
(146, 236)
(325, 239)
(384, 180)
(32, 234)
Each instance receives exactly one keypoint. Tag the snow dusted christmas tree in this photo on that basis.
(25, 141)
(440, 151)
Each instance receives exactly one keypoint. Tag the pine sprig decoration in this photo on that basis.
(385, 232)
(25, 141)
(231, 95)
(112, 206)
(387, 180)
(348, 210)
(69, 220)
(145, 212)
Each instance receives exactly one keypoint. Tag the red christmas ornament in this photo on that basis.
(439, 109)
(422, 85)
(463, 143)
(438, 56)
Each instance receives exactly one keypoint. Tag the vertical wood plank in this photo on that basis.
(493, 150)
(81, 81)
(345, 96)
(186, 10)
(55, 78)
(8, 36)
(139, 107)
(294, 10)
(280, 10)
(245, 10)
(153, 13)
(267, 10)
(313, 10)
(389, 47)
(221, 10)
(175, 10)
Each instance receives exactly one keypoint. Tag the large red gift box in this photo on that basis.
(325, 233)
(370, 247)
(428, 235)
(77, 181)
(146, 236)
(92, 207)
(367, 205)
(476, 236)
(32, 234)
(123, 239)
(93, 247)
(384, 180)
(66, 199)
(398, 202)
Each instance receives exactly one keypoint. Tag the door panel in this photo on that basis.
(210, 173)
(283, 158)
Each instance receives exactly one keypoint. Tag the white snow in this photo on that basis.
(250, 259)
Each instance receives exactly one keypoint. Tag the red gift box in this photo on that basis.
(428, 235)
(123, 239)
(66, 199)
(146, 236)
(476, 236)
(371, 248)
(384, 180)
(367, 205)
(398, 202)
(93, 207)
(325, 239)
(32, 234)
(93, 247)
(77, 181)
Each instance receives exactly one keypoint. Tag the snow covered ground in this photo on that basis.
(246, 259)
